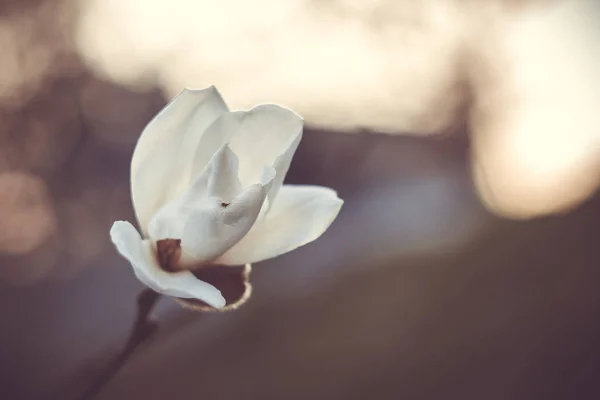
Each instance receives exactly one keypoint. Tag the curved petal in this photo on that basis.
(214, 213)
(266, 135)
(222, 129)
(223, 181)
(161, 162)
(233, 282)
(281, 165)
(299, 215)
(180, 284)
(210, 230)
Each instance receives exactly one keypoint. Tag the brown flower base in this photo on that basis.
(233, 282)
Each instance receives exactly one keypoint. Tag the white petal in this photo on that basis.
(299, 215)
(139, 253)
(214, 213)
(266, 135)
(161, 162)
(219, 132)
(281, 165)
(223, 179)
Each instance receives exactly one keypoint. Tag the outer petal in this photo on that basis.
(266, 135)
(299, 215)
(181, 284)
(233, 282)
(161, 163)
(214, 213)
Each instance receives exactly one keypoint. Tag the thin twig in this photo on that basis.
(142, 330)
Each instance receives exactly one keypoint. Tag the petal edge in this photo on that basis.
(138, 252)
(299, 215)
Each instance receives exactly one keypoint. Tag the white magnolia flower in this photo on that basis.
(206, 185)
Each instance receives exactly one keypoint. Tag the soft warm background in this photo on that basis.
(463, 135)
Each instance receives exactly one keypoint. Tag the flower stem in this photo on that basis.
(142, 330)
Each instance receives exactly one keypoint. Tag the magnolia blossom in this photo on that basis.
(207, 189)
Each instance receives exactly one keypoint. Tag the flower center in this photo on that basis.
(168, 252)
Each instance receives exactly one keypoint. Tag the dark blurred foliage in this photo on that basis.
(415, 292)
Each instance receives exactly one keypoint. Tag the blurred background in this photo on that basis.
(464, 137)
